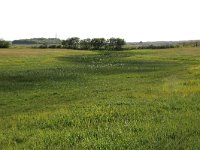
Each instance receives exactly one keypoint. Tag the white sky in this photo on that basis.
(133, 20)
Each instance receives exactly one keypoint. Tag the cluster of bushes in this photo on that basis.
(156, 47)
(4, 44)
(195, 43)
(44, 46)
(149, 46)
(94, 44)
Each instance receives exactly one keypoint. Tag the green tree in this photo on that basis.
(64, 43)
(119, 43)
(71, 43)
(95, 43)
(85, 44)
(98, 43)
(4, 44)
(115, 43)
(111, 44)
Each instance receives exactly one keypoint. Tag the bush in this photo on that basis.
(4, 44)
(55, 46)
(156, 47)
(43, 46)
(71, 43)
(115, 44)
(85, 44)
(59, 46)
(52, 46)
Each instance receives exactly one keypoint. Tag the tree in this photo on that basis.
(119, 43)
(85, 44)
(111, 44)
(115, 43)
(98, 43)
(95, 43)
(33, 41)
(72, 43)
(64, 43)
(43, 46)
(4, 44)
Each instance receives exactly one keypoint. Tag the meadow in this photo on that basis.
(75, 99)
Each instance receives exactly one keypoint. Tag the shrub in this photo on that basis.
(4, 44)
(43, 46)
(52, 46)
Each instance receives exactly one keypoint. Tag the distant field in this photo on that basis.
(67, 99)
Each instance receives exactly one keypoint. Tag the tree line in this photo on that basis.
(94, 44)
(35, 41)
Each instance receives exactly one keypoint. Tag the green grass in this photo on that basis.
(67, 99)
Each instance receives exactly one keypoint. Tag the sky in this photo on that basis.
(133, 20)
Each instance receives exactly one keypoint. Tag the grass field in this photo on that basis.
(67, 99)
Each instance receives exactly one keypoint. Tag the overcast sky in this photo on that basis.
(133, 20)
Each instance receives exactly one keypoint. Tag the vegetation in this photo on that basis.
(98, 43)
(101, 44)
(4, 44)
(71, 43)
(138, 99)
(74, 43)
(162, 44)
(39, 41)
(156, 47)
(115, 43)
(94, 44)
(85, 44)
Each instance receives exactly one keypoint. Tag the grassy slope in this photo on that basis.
(141, 99)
